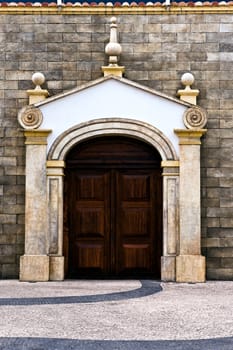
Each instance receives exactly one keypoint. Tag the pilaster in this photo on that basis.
(34, 265)
(170, 219)
(190, 265)
(55, 174)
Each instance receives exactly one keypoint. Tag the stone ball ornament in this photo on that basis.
(113, 49)
(38, 79)
(30, 117)
(195, 118)
(187, 79)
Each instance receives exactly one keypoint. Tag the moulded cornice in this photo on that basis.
(113, 77)
(36, 137)
(89, 9)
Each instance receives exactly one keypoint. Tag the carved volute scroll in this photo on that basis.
(30, 117)
(195, 118)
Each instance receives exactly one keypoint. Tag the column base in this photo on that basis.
(190, 268)
(168, 268)
(34, 268)
(56, 268)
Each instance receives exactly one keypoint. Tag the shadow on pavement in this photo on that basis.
(148, 287)
(68, 344)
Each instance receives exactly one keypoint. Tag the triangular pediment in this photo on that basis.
(119, 83)
(112, 97)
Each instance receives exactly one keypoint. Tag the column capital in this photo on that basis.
(170, 163)
(170, 167)
(55, 167)
(190, 137)
(55, 164)
(36, 137)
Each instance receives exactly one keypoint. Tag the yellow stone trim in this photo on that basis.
(36, 96)
(35, 142)
(190, 137)
(189, 96)
(38, 92)
(188, 92)
(117, 71)
(55, 164)
(170, 174)
(170, 163)
(39, 133)
(182, 142)
(36, 137)
(111, 10)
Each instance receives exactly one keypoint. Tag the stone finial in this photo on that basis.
(113, 50)
(188, 94)
(38, 94)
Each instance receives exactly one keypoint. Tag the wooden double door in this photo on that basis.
(113, 209)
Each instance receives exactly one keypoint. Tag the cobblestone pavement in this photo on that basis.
(116, 315)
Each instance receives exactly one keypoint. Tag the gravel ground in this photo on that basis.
(116, 315)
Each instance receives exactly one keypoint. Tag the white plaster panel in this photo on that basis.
(113, 99)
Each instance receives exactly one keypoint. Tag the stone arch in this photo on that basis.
(112, 126)
(106, 127)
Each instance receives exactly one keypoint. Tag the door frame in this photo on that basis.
(181, 260)
(170, 164)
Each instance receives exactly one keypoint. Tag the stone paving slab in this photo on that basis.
(61, 344)
(116, 315)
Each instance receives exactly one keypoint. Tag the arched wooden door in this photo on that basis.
(113, 206)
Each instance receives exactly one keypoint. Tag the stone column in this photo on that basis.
(34, 264)
(55, 173)
(190, 265)
(170, 219)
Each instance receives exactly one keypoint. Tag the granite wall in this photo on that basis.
(157, 50)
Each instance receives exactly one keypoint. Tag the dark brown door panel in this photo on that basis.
(112, 213)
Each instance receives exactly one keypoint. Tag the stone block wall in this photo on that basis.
(157, 50)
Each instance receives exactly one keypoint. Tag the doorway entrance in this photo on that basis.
(113, 209)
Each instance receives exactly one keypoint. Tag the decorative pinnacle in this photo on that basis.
(188, 94)
(38, 94)
(113, 48)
